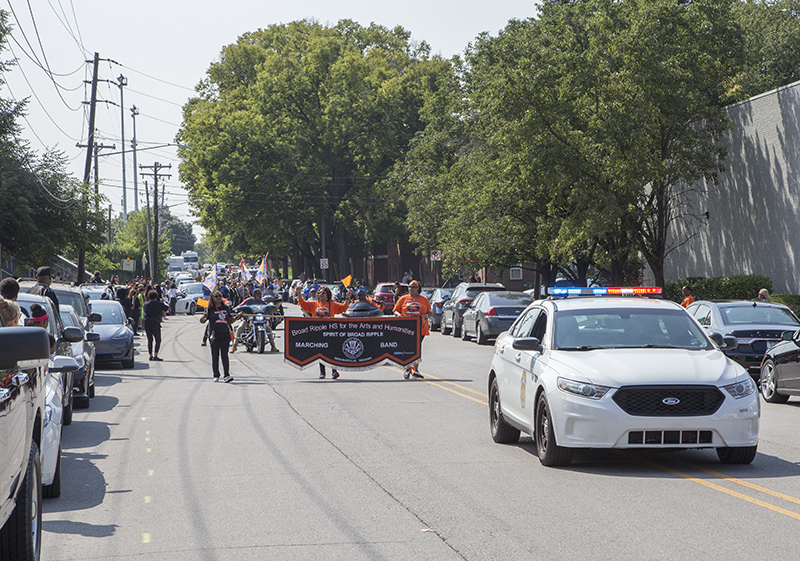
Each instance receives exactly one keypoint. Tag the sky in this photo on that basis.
(163, 49)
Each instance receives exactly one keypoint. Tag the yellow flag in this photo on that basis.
(347, 280)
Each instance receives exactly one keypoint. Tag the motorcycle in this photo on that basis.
(255, 335)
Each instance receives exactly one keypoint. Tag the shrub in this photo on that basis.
(738, 287)
(790, 300)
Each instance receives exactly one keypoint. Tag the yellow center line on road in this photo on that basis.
(465, 396)
(737, 481)
(716, 487)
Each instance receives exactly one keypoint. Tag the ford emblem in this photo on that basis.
(670, 401)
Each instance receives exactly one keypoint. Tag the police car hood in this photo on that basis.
(625, 367)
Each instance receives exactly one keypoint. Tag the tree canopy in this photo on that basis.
(291, 132)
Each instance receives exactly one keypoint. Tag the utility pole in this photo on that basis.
(134, 112)
(122, 82)
(149, 239)
(97, 148)
(88, 167)
(156, 167)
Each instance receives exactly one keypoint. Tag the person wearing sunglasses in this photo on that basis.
(220, 316)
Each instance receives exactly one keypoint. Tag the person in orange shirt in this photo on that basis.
(322, 307)
(414, 304)
(687, 296)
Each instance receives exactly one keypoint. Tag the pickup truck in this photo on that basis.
(24, 354)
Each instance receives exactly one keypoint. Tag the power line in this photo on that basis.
(154, 78)
(65, 23)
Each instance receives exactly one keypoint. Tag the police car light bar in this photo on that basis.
(605, 291)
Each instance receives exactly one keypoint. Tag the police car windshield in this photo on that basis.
(614, 328)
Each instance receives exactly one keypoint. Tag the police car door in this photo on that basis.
(515, 379)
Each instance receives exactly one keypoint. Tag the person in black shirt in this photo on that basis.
(42, 287)
(153, 311)
(220, 316)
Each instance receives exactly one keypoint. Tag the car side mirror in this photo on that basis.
(527, 344)
(64, 363)
(788, 335)
(95, 318)
(92, 336)
(73, 334)
(725, 342)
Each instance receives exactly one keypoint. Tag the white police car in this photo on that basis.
(594, 369)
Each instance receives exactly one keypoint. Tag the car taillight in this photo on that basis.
(492, 312)
(465, 301)
(438, 303)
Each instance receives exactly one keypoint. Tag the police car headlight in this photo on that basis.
(741, 389)
(583, 389)
(48, 415)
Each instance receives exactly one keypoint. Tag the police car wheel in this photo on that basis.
(502, 432)
(550, 453)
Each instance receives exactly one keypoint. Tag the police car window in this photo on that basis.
(540, 327)
(524, 325)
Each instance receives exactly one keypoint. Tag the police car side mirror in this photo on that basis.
(527, 344)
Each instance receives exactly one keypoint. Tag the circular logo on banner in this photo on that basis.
(352, 348)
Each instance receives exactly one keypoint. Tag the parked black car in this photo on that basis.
(437, 299)
(780, 371)
(491, 313)
(756, 325)
(459, 301)
(26, 351)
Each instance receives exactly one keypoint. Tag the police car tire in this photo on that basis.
(736, 455)
(502, 432)
(550, 453)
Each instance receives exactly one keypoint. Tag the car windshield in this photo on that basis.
(111, 315)
(69, 320)
(74, 299)
(744, 315)
(473, 292)
(194, 288)
(611, 328)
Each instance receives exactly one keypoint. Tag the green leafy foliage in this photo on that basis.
(293, 128)
(737, 287)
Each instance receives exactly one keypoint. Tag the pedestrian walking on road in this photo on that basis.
(322, 307)
(414, 304)
(219, 315)
(153, 312)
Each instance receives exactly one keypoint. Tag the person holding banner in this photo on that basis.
(219, 315)
(414, 304)
(322, 307)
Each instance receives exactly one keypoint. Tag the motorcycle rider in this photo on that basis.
(245, 308)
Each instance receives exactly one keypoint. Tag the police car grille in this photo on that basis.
(649, 401)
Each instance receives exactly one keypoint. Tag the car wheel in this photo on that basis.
(21, 536)
(550, 453)
(192, 308)
(769, 384)
(464, 336)
(445, 329)
(456, 327)
(737, 455)
(502, 432)
(67, 414)
(54, 489)
(480, 336)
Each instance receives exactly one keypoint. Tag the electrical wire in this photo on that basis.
(154, 78)
(156, 98)
(65, 23)
(33, 92)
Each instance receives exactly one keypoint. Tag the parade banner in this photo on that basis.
(351, 343)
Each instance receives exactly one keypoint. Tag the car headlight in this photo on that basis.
(121, 334)
(738, 390)
(583, 389)
(48, 415)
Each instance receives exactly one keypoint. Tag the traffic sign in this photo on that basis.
(323, 263)
(436, 255)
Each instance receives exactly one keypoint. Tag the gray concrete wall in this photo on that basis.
(753, 224)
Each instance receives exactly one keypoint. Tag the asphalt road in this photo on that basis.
(167, 465)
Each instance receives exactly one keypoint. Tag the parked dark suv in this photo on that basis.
(24, 357)
(463, 295)
(757, 326)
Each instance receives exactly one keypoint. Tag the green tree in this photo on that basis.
(292, 130)
(771, 30)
